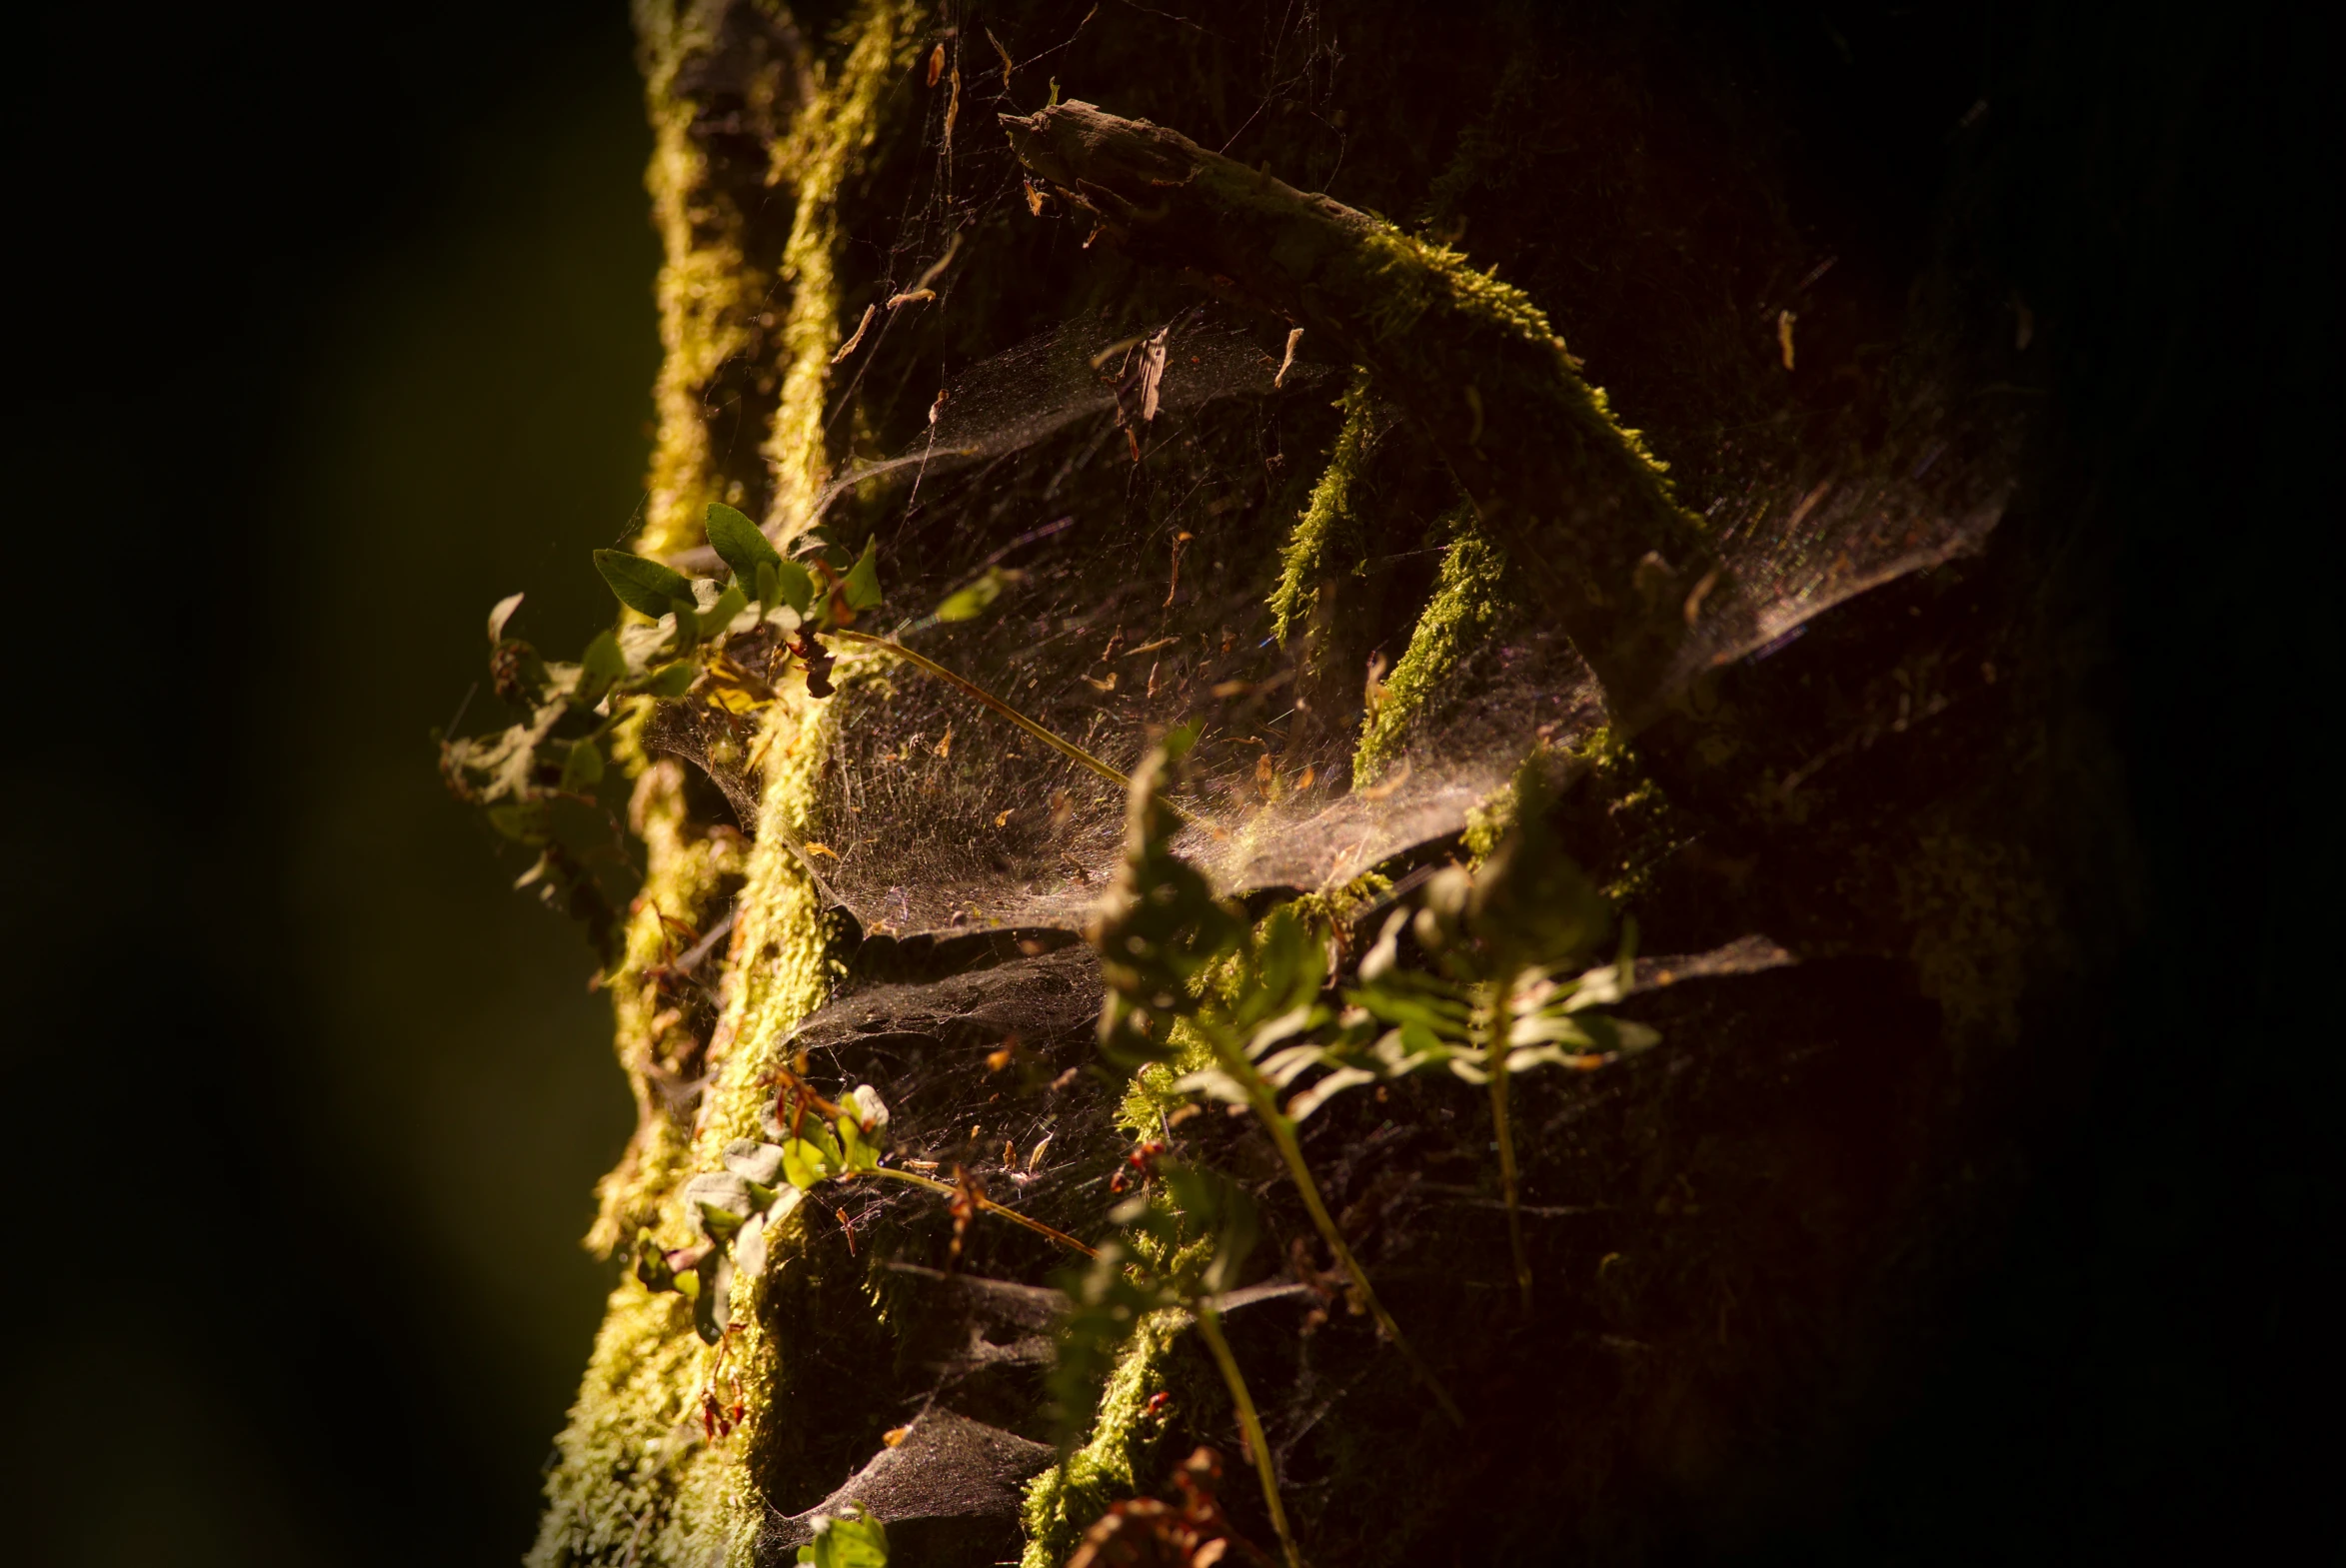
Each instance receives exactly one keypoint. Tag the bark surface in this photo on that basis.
(1814, 699)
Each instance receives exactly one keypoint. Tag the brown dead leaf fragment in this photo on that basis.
(1152, 372)
(1295, 336)
(1144, 1532)
(1007, 66)
(935, 64)
(1784, 319)
(862, 327)
(1702, 592)
(1175, 587)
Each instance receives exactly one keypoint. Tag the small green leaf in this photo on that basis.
(601, 664)
(643, 585)
(738, 542)
(748, 1249)
(583, 769)
(720, 1201)
(798, 585)
(731, 603)
(863, 579)
(501, 613)
(652, 1267)
(855, 1154)
(672, 679)
(712, 1305)
(856, 1542)
(522, 822)
(808, 1164)
(974, 599)
(754, 1162)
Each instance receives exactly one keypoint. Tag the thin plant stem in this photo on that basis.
(1209, 1325)
(1507, 1178)
(1502, 1131)
(1063, 747)
(984, 1202)
(1283, 1133)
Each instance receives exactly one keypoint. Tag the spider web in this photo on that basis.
(1133, 547)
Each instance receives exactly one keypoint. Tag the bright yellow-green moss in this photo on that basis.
(1062, 1502)
(630, 1437)
(684, 874)
(709, 291)
(1330, 527)
(639, 1481)
(634, 1449)
(1467, 604)
(1418, 275)
(824, 148)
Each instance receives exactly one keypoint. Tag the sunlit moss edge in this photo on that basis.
(822, 151)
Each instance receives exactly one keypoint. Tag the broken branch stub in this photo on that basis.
(1579, 505)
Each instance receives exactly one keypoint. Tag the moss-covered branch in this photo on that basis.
(1550, 472)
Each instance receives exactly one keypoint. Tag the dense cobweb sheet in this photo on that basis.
(1143, 535)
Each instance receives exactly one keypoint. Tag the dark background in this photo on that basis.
(323, 339)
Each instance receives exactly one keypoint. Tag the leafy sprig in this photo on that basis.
(726, 642)
(1506, 991)
(1161, 931)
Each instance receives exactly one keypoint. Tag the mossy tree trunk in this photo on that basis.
(891, 230)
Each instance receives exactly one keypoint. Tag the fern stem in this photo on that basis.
(1502, 1132)
(1493, 1019)
(1209, 1325)
(1283, 1133)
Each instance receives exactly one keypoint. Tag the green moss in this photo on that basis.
(1419, 276)
(630, 1438)
(686, 875)
(708, 293)
(1488, 822)
(624, 1455)
(824, 149)
(1467, 602)
(1329, 529)
(1062, 1502)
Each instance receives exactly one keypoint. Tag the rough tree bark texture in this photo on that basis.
(860, 203)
